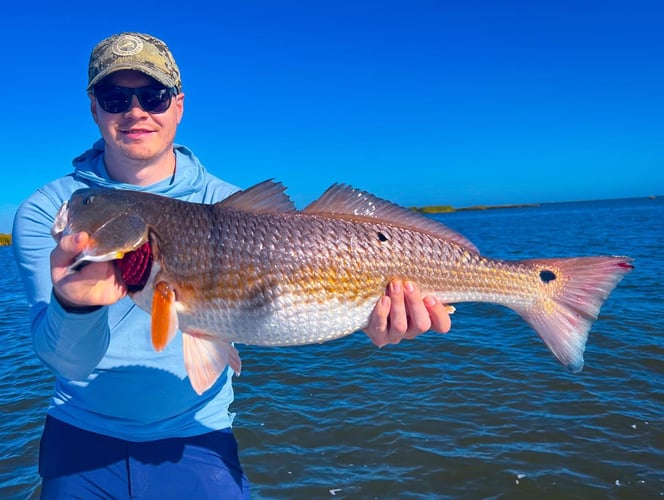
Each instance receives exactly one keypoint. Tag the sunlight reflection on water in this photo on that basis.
(482, 412)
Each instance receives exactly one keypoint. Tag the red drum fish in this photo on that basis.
(252, 269)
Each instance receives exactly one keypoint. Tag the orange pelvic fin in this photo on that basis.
(164, 315)
(206, 357)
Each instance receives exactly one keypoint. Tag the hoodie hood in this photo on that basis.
(189, 174)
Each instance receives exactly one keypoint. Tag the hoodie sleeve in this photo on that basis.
(70, 344)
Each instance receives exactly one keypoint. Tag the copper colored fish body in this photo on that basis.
(254, 270)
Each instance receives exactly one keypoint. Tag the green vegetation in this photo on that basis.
(435, 209)
(441, 209)
(5, 240)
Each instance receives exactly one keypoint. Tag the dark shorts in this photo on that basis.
(75, 463)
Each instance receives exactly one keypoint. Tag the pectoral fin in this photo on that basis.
(164, 315)
(205, 358)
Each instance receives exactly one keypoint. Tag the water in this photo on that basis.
(482, 412)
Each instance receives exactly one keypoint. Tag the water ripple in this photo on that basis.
(482, 412)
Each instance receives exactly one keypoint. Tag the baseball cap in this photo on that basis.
(137, 51)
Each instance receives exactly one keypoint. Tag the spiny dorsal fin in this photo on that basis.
(342, 199)
(265, 197)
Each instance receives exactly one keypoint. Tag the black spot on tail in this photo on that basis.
(547, 276)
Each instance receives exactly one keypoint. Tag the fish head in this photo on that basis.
(109, 217)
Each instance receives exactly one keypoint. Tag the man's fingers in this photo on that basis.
(418, 315)
(68, 248)
(398, 320)
(403, 313)
(378, 322)
(98, 283)
(439, 314)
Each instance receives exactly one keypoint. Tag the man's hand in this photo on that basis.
(402, 313)
(96, 284)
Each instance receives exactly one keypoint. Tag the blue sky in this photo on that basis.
(420, 102)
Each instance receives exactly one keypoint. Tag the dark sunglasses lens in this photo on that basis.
(118, 99)
(154, 100)
(113, 99)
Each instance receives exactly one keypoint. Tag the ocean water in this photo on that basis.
(482, 412)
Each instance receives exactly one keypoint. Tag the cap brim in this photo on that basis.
(161, 77)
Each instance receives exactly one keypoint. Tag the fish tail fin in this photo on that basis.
(206, 357)
(574, 289)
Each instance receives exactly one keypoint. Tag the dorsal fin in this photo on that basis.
(342, 199)
(265, 197)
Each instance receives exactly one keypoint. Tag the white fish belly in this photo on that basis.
(286, 321)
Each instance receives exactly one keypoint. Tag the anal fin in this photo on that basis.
(205, 358)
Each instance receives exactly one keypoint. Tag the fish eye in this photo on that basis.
(88, 200)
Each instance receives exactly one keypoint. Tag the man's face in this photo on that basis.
(136, 134)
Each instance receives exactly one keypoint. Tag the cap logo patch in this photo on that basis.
(127, 45)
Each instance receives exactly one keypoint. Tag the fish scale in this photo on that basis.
(252, 269)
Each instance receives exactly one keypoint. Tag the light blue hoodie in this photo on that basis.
(109, 378)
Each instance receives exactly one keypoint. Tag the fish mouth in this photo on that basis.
(93, 254)
(84, 258)
(134, 265)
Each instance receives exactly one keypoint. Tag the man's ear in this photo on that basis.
(179, 102)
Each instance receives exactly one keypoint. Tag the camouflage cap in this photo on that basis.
(136, 51)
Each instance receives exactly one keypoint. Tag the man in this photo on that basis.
(124, 420)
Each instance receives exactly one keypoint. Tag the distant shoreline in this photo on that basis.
(443, 209)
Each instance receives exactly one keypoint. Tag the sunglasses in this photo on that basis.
(116, 99)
